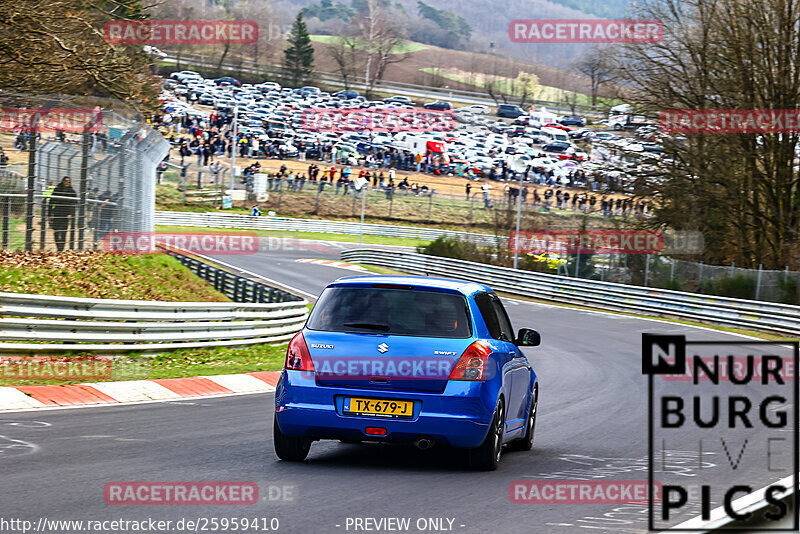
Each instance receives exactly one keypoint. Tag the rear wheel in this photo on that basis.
(486, 457)
(526, 443)
(289, 448)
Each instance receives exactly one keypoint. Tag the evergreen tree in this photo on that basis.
(299, 60)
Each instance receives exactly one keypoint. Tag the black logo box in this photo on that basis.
(678, 367)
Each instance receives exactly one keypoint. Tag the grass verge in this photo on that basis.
(368, 239)
(101, 275)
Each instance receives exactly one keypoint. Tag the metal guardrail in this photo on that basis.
(49, 324)
(755, 315)
(223, 220)
(237, 288)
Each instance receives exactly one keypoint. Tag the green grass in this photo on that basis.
(545, 92)
(101, 275)
(402, 48)
(368, 239)
(218, 361)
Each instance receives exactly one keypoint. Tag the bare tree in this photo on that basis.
(381, 37)
(740, 190)
(596, 65)
(58, 47)
(344, 53)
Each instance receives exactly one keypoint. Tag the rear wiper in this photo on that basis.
(369, 326)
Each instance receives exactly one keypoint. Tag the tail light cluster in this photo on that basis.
(297, 356)
(472, 364)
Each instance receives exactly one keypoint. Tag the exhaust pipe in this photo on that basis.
(424, 443)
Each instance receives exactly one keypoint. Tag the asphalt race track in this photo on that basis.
(592, 425)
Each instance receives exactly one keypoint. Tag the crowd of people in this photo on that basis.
(209, 138)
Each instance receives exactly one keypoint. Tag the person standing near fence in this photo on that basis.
(105, 213)
(62, 209)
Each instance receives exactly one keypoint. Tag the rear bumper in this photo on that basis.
(458, 416)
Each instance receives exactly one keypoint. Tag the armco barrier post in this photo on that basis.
(29, 205)
(86, 140)
(6, 219)
(43, 225)
(758, 281)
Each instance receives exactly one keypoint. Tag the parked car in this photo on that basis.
(397, 99)
(572, 120)
(557, 147)
(347, 94)
(510, 111)
(440, 105)
(478, 392)
(557, 126)
(478, 109)
(154, 52)
(227, 79)
(185, 75)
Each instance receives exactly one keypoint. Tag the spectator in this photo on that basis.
(256, 211)
(487, 201)
(62, 210)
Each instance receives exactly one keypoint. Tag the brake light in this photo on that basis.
(472, 364)
(297, 356)
(375, 431)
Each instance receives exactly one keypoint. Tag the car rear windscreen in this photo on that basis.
(405, 312)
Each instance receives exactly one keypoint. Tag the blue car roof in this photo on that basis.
(461, 286)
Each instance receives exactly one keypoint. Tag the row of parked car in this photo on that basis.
(274, 114)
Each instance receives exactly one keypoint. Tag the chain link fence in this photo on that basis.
(72, 170)
(666, 272)
(204, 188)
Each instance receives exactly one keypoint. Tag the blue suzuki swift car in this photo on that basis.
(408, 359)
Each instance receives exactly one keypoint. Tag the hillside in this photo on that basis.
(461, 70)
(489, 21)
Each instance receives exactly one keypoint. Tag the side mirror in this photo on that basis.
(528, 338)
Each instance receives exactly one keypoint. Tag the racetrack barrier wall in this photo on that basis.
(39, 324)
(755, 315)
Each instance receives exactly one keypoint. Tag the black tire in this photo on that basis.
(526, 443)
(289, 448)
(486, 457)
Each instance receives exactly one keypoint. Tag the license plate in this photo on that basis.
(378, 407)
